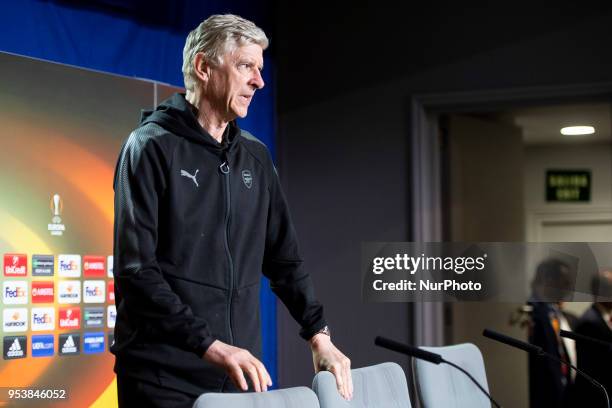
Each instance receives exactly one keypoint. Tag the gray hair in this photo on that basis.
(215, 37)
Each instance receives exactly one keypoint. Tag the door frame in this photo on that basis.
(537, 219)
(427, 212)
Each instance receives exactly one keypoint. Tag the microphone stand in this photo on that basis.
(450, 363)
(530, 348)
(585, 375)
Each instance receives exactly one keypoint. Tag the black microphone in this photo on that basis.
(427, 356)
(530, 348)
(408, 350)
(512, 342)
(581, 337)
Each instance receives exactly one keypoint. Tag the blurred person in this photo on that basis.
(199, 216)
(596, 361)
(550, 382)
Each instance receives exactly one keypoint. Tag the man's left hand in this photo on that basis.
(326, 356)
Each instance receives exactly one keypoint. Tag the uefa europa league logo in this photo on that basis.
(56, 205)
(56, 208)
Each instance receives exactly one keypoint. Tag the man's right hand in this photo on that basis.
(236, 361)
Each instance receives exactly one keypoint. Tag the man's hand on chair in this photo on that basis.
(326, 356)
(236, 361)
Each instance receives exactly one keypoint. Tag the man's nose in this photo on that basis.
(257, 80)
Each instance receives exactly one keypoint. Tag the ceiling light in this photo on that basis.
(577, 130)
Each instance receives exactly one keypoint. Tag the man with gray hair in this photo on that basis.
(199, 215)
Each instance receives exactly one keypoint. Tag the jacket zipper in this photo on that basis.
(224, 168)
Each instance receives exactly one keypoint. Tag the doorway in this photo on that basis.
(481, 169)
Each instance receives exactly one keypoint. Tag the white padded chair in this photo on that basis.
(297, 397)
(444, 386)
(379, 386)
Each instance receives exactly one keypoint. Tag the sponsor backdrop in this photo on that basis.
(62, 128)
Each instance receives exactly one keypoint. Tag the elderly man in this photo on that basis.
(199, 215)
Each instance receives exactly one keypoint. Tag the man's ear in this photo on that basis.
(201, 67)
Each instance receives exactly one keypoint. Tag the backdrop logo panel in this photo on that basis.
(15, 347)
(15, 292)
(69, 344)
(43, 265)
(69, 318)
(93, 291)
(69, 291)
(43, 291)
(14, 320)
(69, 266)
(94, 266)
(111, 316)
(15, 264)
(94, 317)
(43, 345)
(43, 318)
(93, 343)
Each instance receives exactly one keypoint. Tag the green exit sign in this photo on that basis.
(568, 186)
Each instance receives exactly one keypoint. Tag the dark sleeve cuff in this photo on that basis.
(307, 332)
(201, 347)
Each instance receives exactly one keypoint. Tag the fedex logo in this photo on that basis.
(69, 291)
(15, 292)
(15, 264)
(42, 292)
(69, 266)
(110, 289)
(111, 316)
(94, 266)
(15, 320)
(70, 318)
(43, 318)
(109, 266)
(93, 291)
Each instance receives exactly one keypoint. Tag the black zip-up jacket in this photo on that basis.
(196, 224)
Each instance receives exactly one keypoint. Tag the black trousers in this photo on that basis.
(135, 393)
